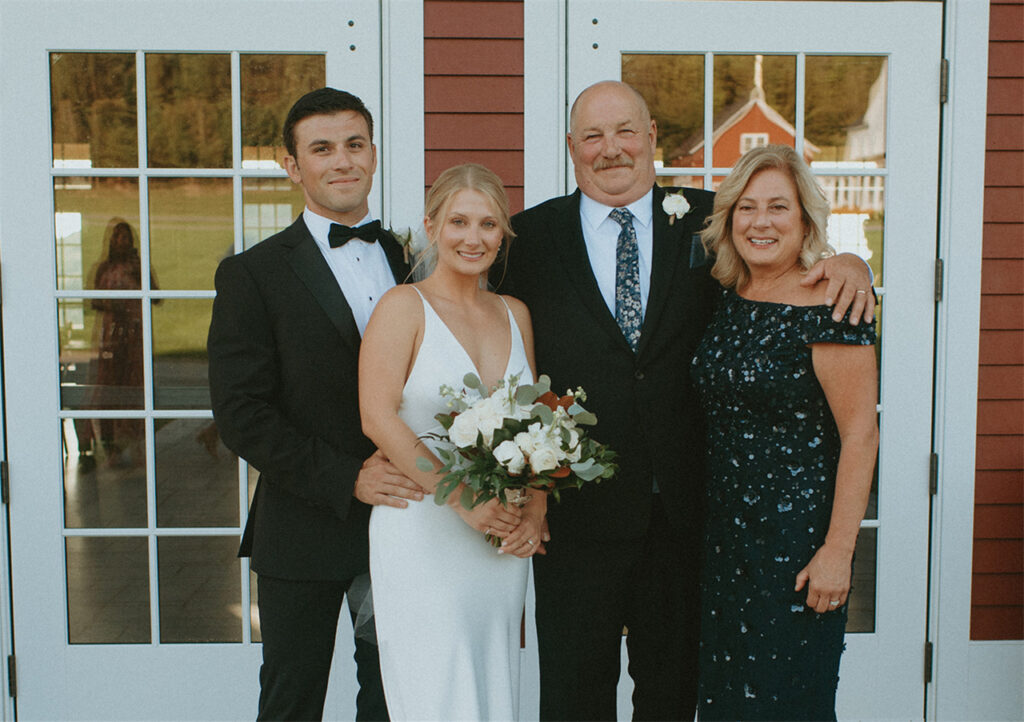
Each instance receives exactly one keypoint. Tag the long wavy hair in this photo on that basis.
(730, 269)
(468, 176)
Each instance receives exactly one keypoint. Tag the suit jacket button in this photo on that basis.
(638, 375)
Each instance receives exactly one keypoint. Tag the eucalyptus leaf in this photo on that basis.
(543, 413)
(543, 384)
(471, 381)
(526, 395)
(423, 464)
(467, 498)
(585, 417)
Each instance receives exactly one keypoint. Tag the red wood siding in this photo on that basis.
(473, 88)
(997, 589)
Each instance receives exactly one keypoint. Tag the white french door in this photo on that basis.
(152, 126)
(855, 87)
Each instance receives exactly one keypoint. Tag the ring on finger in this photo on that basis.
(833, 603)
(860, 291)
(530, 542)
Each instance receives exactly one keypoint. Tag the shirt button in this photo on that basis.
(638, 375)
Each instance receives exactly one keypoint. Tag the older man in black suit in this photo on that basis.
(620, 295)
(283, 348)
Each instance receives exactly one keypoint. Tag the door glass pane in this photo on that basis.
(104, 473)
(268, 206)
(845, 108)
(100, 352)
(673, 86)
(87, 210)
(270, 85)
(754, 104)
(196, 475)
(188, 110)
(180, 379)
(191, 229)
(108, 590)
(200, 589)
(92, 110)
(862, 593)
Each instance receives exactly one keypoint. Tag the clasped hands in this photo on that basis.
(523, 534)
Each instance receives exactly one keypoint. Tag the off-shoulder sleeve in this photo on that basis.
(818, 327)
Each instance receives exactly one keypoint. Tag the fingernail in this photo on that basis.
(501, 551)
(828, 301)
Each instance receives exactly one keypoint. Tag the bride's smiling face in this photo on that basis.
(469, 234)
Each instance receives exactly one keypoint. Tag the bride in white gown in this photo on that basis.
(447, 604)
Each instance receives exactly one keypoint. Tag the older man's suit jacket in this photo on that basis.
(646, 407)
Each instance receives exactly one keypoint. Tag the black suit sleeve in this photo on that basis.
(247, 399)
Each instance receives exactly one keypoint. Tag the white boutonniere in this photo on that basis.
(676, 206)
(412, 239)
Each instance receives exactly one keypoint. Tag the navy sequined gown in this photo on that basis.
(772, 451)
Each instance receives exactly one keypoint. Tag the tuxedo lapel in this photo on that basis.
(567, 234)
(670, 242)
(309, 265)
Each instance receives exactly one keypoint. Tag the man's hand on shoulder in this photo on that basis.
(849, 286)
(379, 482)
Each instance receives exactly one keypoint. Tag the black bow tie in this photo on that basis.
(339, 235)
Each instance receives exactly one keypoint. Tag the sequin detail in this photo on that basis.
(772, 454)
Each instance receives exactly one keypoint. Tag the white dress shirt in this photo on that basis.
(601, 235)
(361, 268)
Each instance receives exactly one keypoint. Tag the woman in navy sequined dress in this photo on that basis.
(789, 397)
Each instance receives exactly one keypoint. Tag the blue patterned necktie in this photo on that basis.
(628, 306)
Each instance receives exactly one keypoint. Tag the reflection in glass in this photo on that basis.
(270, 85)
(188, 110)
(191, 229)
(108, 590)
(179, 353)
(268, 206)
(673, 86)
(857, 218)
(93, 114)
(196, 475)
(104, 473)
(845, 108)
(680, 181)
(100, 353)
(85, 211)
(862, 594)
(200, 589)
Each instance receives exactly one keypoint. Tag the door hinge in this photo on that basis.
(939, 272)
(12, 676)
(933, 474)
(5, 483)
(928, 654)
(944, 82)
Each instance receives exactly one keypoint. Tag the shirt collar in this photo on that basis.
(596, 213)
(319, 226)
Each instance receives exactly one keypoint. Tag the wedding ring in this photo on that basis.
(530, 542)
(488, 531)
(834, 603)
(861, 291)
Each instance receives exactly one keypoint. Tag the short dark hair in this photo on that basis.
(323, 101)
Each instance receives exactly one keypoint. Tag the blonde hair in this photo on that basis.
(730, 269)
(468, 176)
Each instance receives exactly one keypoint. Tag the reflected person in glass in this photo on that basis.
(283, 346)
(789, 398)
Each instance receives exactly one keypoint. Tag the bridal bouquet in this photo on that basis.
(516, 438)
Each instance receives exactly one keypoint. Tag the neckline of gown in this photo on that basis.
(512, 329)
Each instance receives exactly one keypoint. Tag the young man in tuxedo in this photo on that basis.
(625, 553)
(283, 348)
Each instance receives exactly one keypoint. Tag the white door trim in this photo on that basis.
(961, 203)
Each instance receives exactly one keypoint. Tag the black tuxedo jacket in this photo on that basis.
(646, 407)
(284, 350)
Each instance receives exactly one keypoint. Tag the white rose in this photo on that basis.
(675, 205)
(544, 458)
(525, 442)
(509, 456)
(464, 428)
(490, 416)
(575, 449)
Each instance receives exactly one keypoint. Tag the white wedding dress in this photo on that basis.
(447, 606)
